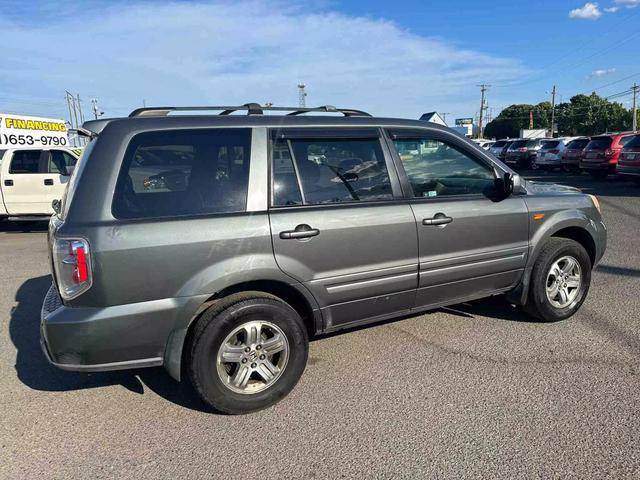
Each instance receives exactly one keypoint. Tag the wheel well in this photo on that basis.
(581, 236)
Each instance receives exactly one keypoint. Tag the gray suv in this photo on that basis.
(216, 245)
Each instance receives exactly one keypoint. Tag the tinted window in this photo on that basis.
(533, 143)
(550, 144)
(578, 144)
(518, 144)
(625, 140)
(599, 143)
(184, 172)
(26, 161)
(500, 143)
(330, 171)
(435, 168)
(59, 161)
(634, 142)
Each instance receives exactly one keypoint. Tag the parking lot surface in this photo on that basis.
(473, 391)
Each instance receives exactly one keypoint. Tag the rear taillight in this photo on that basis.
(608, 152)
(72, 264)
(553, 152)
(522, 149)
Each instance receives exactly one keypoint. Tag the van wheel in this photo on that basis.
(559, 281)
(247, 352)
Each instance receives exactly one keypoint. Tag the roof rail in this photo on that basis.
(251, 108)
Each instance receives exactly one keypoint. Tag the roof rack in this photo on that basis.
(251, 108)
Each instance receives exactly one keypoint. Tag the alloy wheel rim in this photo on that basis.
(564, 282)
(252, 357)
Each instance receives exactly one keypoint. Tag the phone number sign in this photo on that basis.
(24, 131)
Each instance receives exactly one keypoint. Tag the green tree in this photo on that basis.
(516, 117)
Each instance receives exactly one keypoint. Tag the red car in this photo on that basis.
(601, 155)
(573, 154)
(629, 163)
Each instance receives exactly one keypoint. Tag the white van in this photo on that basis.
(31, 178)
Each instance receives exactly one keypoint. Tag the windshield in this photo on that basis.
(599, 143)
(578, 144)
(500, 143)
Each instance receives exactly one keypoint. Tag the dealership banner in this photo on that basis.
(26, 131)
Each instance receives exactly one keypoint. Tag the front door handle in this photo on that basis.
(438, 219)
(48, 181)
(301, 231)
(8, 183)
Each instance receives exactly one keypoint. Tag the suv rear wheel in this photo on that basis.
(559, 281)
(247, 352)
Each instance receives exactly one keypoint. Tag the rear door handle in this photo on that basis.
(8, 183)
(438, 219)
(48, 181)
(301, 231)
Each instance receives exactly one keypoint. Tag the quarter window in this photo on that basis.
(329, 171)
(435, 168)
(26, 161)
(184, 172)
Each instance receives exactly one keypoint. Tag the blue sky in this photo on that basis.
(398, 58)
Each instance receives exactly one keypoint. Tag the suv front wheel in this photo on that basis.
(559, 281)
(247, 352)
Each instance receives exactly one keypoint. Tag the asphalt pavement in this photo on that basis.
(473, 391)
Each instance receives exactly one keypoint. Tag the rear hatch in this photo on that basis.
(575, 148)
(630, 155)
(597, 149)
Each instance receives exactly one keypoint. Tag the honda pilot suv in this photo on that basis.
(216, 245)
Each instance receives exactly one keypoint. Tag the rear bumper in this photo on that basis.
(548, 161)
(600, 166)
(111, 338)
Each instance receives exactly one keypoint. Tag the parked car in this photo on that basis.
(629, 161)
(573, 154)
(31, 178)
(501, 150)
(601, 155)
(487, 145)
(549, 155)
(522, 153)
(225, 276)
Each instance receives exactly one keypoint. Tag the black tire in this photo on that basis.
(220, 320)
(538, 305)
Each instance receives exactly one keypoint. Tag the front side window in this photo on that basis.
(327, 171)
(435, 168)
(26, 161)
(184, 172)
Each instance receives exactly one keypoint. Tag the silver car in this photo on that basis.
(217, 245)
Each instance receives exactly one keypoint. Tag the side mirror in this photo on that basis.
(504, 185)
(56, 205)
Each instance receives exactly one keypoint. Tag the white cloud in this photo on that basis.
(601, 72)
(611, 9)
(628, 3)
(231, 53)
(590, 11)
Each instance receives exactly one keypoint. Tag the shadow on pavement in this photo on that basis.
(34, 370)
(24, 226)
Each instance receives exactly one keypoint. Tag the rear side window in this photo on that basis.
(599, 143)
(26, 161)
(326, 171)
(59, 161)
(184, 172)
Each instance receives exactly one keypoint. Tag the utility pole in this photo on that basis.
(94, 108)
(80, 108)
(635, 89)
(444, 116)
(553, 111)
(302, 96)
(483, 88)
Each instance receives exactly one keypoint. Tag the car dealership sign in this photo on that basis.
(21, 130)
